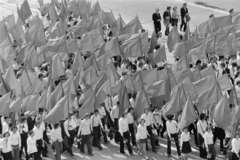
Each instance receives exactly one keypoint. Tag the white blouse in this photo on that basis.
(184, 138)
(142, 132)
(208, 138)
(123, 125)
(6, 145)
(31, 143)
(236, 145)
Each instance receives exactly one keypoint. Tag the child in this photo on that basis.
(184, 143)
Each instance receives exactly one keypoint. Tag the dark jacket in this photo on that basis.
(183, 12)
(30, 122)
(166, 14)
(156, 17)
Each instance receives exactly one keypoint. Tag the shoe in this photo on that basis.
(179, 157)
(82, 152)
(106, 142)
(123, 152)
(71, 154)
(131, 154)
(169, 155)
(100, 148)
(90, 154)
(147, 149)
(154, 151)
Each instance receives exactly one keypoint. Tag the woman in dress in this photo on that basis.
(142, 134)
(208, 140)
(32, 147)
(184, 143)
(234, 154)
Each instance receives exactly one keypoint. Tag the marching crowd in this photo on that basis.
(28, 133)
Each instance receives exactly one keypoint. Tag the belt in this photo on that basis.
(15, 146)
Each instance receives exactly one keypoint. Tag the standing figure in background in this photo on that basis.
(184, 12)
(175, 17)
(167, 19)
(156, 17)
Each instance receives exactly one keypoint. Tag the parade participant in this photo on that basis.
(184, 12)
(201, 127)
(141, 135)
(15, 140)
(5, 126)
(185, 144)
(32, 146)
(38, 132)
(124, 132)
(234, 154)
(172, 130)
(218, 133)
(131, 125)
(69, 126)
(76, 120)
(56, 138)
(97, 127)
(23, 130)
(208, 141)
(6, 147)
(149, 123)
(103, 115)
(157, 123)
(175, 16)
(167, 19)
(156, 17)
(227, 140)
(114, 116)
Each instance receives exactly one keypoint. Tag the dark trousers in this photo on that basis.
(212, 151)
(149, 129)
(103, 132)
(158, 133)
(7, 156)
(36, 156)
(125, 138)
(39, 146)
(132, 133)
(167, 23)
(192, 127)
(86, 139)
(96, 138)
(117, 134)
(164, 127)
(157, 27)
(174, 21)
(175, 137)
(15, 151)
(58, 147)
(183, 24)
(202, 148)
(227, 139)
(71, 140)
(24, 137)
(220, 134)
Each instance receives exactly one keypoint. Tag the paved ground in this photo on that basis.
(129, 9)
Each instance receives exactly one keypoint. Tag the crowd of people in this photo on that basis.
(27, 133)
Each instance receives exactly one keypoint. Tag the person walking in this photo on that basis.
(32, 147)
(201, 127)
(175, 16)
(56, 138)
(185, 144)
(156, 17)
(114, 116)
(208, 141)
(184, 12)
(234, 154)
(23, 130)
(131, 125)
(167, 19)
(142, 134)
(15, 140)
(85, 130)
(38, 132)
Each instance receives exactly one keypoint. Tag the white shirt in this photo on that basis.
(85, 127)
(5, 127)
(6, 145)
(101, 112)
(23, 127)
(132, 102)
(96, 121)
(76, 120)
(208, 138)
(184, 138)
(130, 118)
(114, 112)
(201, 127)
(142, 132)
(147, 118)
(235, 145)
(123, 125)
(68, 126)
(56, 135)
(15, 139)
(31, 143)
(38, 132)
(172, 127)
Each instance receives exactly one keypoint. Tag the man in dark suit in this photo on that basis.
(30, 122)
(184, 11)
(156, 17)
(167, 19)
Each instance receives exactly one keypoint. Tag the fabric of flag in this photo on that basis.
(133, 26)
(88, 106)
(15, 105)
(10, 77)
(69, 87)
(59, 111)
(95, 9)
(43, 100)
(5, 105)
(141, 103)
(224, 82)
(93, 23)
(58, 45)
(132, 47)
(206, 72)
(197, 53)
(77, 63)
(30, 103)
(120, 25)
(102, 93)
(189, 89)
(159, 55)
(25, 10)
(173, 39)
(57, 68)
(155, 89)
(123, 99)
(79, 30)
(153, 42)
(195, 74)
(83, 9)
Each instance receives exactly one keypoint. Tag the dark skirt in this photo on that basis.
(232, 156)
(143, 140)
(186, 147)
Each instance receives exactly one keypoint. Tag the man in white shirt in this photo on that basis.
(172, 130)
(114, 116)
(23, 130)
(15, 140)
(97, 127)
(149, 124)
(38, 132)
(102, 114)
(69, 126)
(5, 125)
(131, 125)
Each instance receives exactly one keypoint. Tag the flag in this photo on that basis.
(86, 43)
(120, 25)
(123, 99)
(57, 68)
(59, 111)
(222, 114)
(204, 84)
(5, 105)
(58, 45)
(224, 82)
(30, 103)
(206, 72)
(112, 74)
(233, 97)
(10, 78)
(137, 81)
(153, 42)
(77, 63)
(149, 76)
(93, 23)
(140, 104)
(79, 30)
(56, 95)
(44, 9)
(102, 93)
(43, 100)
(96, 36)
(110, 48)
(187, 33)
(57, 29)
(197, 53)
(15, 105)
(77, 78)
(95, 9)
(108, 18)
(155, 89)
(100, 82)
(25, 10)
(159, 55)
(83, 9)
(133, 26)
(195, 74)
(173, 39)
(188, 115)
(69, 87)
(53, 13)
(63, 10)
(189, 89)
(132, 47)
(88, 106)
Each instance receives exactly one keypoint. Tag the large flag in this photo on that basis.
(69, 87)
(182, 49)
(53, 13)
(96, 36)
(94, 22)
(95, 9)
(79, 30)
(159, 55)
(5, 105)
(120, 25)
(173, 39)
(43, 100)
(206, 72)
(188, 115)
(123, 99)
(57, 68)
(58, 29)
(222, 114)
(155, 89)
(15, 105)
(141, 103)
(195, 74)
(77, 63)
(133, 26)
(58, 45)
(224, 82)
(10, 77)
(25, 10)
(88, 106)
(83, 9)
(110, 48)
(189, 89)
(153, 42)
(132, 47)
(197, 53)
(30, 103)
(102, 93)
(59, 111)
